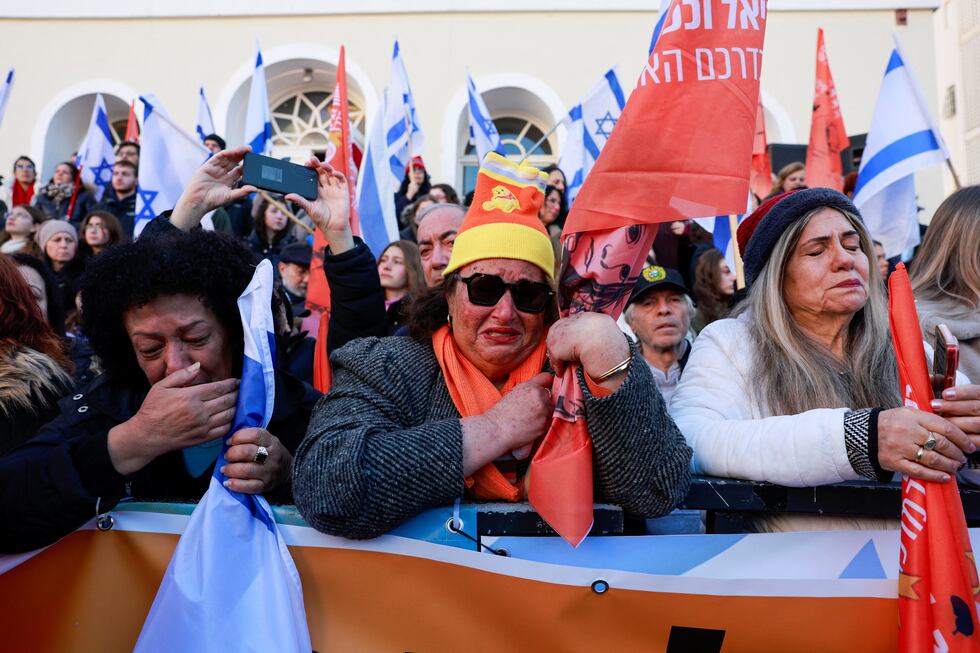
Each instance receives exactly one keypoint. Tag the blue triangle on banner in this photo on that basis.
(865, 564)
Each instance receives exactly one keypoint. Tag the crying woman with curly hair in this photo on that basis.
(161, 315)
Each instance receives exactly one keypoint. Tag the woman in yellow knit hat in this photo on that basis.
(455, 409)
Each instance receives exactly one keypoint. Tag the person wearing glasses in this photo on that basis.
(20, 190)
(455, 409)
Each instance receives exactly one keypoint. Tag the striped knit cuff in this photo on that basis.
(861, 442)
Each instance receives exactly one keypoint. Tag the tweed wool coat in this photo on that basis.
(386, 443)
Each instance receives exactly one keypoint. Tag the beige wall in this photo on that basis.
(564, 53)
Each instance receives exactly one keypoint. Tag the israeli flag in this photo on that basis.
(721, 235)
(96, 154)
(375, 210)
(5, 88)
(258, 124)
(659, 27)
(169, 156)
(483, 133)
(231, 584)
(205, 124)
(903, 138)
(401, 123)
(589, 123)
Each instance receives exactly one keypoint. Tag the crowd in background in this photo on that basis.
(819, 378)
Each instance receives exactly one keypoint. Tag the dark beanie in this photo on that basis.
(758, 234)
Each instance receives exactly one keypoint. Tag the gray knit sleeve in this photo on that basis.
(640, 458)
(372, 457)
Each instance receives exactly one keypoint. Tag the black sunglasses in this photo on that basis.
(528, 296)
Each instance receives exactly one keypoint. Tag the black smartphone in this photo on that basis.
(279, 176)
(945, 360)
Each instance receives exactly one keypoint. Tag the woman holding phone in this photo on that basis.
(801, 387)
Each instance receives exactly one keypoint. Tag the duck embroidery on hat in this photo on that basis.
(502, 199)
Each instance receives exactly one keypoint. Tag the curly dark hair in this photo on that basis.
(213, 266)
(429, 310)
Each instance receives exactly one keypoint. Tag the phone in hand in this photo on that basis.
(279, 176)
(946, 358)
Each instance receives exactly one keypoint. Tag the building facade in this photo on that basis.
(532, 60)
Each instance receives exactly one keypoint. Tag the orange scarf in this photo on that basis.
(474, 394)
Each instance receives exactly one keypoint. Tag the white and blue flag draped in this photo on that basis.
(721, 235)
(589, 123)
(258, 124)
(205, 123)
(483, 133)
(231, 584)
(96, 154)
(168, 158)
(401, 123)
(903, 138)
(375, 210)
(5, 88)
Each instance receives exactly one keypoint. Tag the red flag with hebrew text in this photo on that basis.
(937, 580)
(828, 137)
(681, 149)
(340, 155)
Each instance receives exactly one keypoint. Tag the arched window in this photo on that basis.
(522, 119)
(300, 123)
(518, 135)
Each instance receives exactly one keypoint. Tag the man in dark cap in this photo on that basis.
(659, 312)
(214, 143)
(294, 269)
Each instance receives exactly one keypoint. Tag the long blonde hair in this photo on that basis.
(948, 263)
(794, 373)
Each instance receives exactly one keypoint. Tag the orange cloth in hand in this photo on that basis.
(473, 394)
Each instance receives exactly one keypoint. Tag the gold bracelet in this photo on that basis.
(613, 371)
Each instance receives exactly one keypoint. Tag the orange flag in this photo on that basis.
(828, 138)
(682, 146)
(340, 155)
(132, 127)
(937, 581)
(761, 179)
(681, 149)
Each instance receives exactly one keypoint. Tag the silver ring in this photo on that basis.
(930, 442)
(262, 455)
(919, 453)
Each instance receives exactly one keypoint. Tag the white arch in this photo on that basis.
(243, 74)
(787, 132)
(66, 95)
(457, 104)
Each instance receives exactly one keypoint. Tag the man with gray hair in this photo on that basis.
(659, 313)
(437, 227)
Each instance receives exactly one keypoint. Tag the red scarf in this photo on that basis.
(22, 197)
(474, 394)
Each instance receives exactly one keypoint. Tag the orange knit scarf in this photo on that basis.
(474, 394)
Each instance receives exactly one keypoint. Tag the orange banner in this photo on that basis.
(937, 582)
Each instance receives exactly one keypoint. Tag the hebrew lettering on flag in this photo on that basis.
(828, 137)
(682, 148)
(937, 580)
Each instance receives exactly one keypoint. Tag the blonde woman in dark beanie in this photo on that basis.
(454, 410)
(801, 388)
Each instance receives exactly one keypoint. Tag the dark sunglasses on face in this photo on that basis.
(528, 296)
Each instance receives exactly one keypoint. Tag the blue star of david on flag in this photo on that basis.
(146, 197)
(600, 125)
(99, 172)
(96, 153)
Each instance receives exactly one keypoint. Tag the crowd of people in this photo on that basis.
(120, 358)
